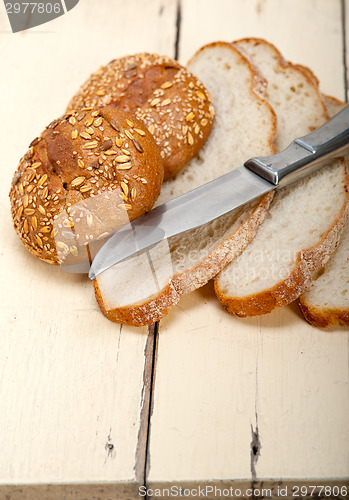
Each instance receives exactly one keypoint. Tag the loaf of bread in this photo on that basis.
(89, 173)
(305, 220)
(173, 103)
(244, 126)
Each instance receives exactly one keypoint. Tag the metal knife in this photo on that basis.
(256, 177)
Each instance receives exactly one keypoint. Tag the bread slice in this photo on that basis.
(142, 289)
(326, 302)
(304, 223)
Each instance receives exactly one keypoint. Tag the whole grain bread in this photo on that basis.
(303, 225)
(244, 126)
(89, 172)
(173, 103)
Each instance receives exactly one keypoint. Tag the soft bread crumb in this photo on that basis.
(304, 222)
(197, 256)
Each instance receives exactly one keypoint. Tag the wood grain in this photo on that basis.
(74, 387)
(263, 399)
(234, 402)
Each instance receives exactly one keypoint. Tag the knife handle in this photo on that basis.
(306, 154)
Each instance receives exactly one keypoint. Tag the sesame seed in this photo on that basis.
(98, 121)
(42, 180)
(85, 135)
(90, 145)
(74, 250)
(103, 235)
(89, 219)
(89, 122)
(100, 92)
(125, 206)
(85, 189)
(139, 131)
(72, 120)
(190, 116)
(74, 134)
(39, 240)
(166, 85)
(129, 134)
(77, 181)
(155, 101)
(61, 245)
(124, 166)
(124, 187)
(122, 159)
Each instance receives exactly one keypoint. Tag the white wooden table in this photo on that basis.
(92, 410)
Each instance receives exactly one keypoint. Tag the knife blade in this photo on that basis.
(250, 181)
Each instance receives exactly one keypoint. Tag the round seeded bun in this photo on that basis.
(173, 103)
(89, 173)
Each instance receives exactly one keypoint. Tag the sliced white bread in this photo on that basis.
(326, 302)
(304, 222)
(141, 290)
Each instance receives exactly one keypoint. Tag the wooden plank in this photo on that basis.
(74, 387)
(297, 28)
(235, 401)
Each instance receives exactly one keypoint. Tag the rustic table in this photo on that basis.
(94, 410)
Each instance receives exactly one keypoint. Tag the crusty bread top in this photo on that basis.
(89, 172)
(173, 103)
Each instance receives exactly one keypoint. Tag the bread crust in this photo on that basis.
(289, 289)
(90, 172)
(307, 72)
(154, 308)
(173, 103)
(307, 260)
(324, 318)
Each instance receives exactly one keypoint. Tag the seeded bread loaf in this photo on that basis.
(304, 223)
(88, 173)
(173, 103)
(244, 126)
(326, 302)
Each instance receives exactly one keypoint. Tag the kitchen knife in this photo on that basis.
(209, 201)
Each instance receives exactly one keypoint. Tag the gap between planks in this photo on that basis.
(142, 465)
